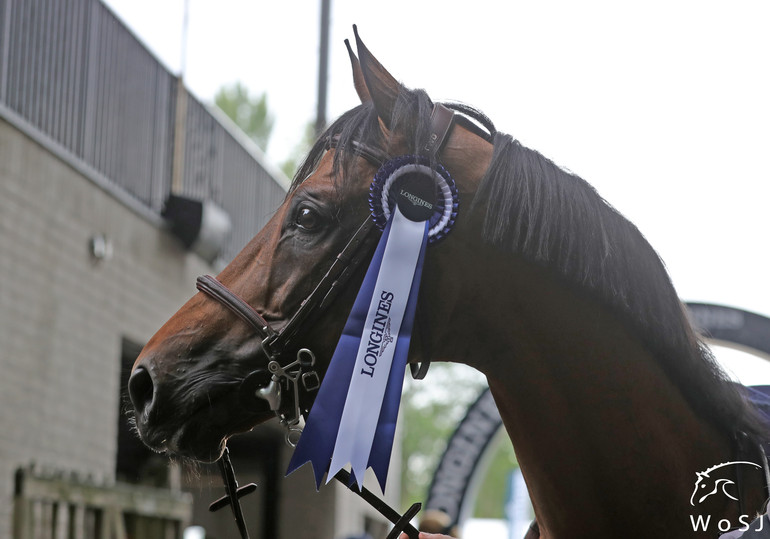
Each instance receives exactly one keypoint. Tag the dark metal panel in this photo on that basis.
(45, 71)
(163, 149)
(91, 86)
(201, 153)
(5, 19)
(72, 72)
(249, 194)
(20, 28)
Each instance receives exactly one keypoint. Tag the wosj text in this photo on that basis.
(703, 523)
(374, 344)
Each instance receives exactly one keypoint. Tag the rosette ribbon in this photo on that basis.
(353, 418)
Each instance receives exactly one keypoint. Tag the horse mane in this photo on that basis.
(553, 218)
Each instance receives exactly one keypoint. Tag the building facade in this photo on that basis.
(94, 136)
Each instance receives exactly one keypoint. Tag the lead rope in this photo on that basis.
(233, 495)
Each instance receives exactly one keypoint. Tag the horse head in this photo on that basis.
(187, 385)
(542, 286)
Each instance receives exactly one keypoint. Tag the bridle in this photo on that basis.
(289, 374)
(292, 374)
(291, 377)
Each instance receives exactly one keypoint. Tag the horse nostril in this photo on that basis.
(140, 389)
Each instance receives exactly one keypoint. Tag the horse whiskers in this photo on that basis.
(190, 468)
(128, 411)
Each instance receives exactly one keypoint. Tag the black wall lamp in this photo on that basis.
(202, 226)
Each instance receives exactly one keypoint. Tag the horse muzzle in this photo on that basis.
(191, 410)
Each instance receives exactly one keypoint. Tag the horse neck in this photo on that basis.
(605, 440)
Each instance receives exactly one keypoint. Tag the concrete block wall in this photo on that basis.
(63, 314)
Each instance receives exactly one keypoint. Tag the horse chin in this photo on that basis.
(205, 442)
(201, 436)
(195, 447)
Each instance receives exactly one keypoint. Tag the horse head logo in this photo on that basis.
(711, 481)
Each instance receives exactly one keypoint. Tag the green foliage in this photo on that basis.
(431, 411)
(493, 490)
(292, 163)
(249, 113)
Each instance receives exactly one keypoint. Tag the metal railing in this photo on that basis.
(76, 76)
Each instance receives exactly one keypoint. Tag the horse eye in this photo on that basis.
(308, 219)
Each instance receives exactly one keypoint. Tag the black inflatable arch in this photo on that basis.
(459, 470)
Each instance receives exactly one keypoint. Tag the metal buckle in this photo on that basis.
(291, 374)
(311, 381)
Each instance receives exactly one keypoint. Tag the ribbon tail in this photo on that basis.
(316, 444)
(371, 377)
(382, 446)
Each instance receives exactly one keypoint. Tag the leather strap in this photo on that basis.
(213, 288)
(401, 522)
(343, 267)
(441, 121)
(232, 495)
(419, 370)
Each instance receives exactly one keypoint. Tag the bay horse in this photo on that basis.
(611, 400)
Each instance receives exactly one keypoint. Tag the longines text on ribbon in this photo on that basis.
(375, 345)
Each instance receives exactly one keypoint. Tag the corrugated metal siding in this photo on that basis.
(74, 72)
(217, 167)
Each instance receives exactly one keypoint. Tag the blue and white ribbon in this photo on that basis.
(353, 418)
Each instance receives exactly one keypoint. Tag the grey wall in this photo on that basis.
(63, 315)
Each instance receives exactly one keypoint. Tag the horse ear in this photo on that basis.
(358, 76)
(382, 86)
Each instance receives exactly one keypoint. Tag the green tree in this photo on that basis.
(250, 113)
(431, 410)
(493, 490)
(290, 165)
